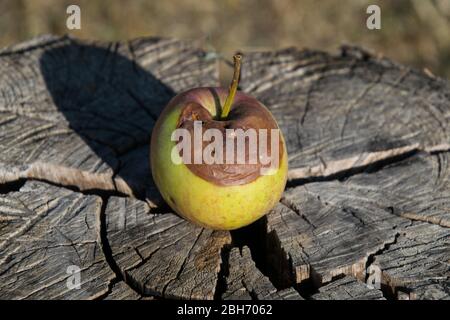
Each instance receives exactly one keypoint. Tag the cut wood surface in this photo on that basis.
(121, 291)
(347, 288)
(368, 188)
(246, 282)
(47, 233)
(74, 113)
(162, 254)
(347, 111)
(326, 229)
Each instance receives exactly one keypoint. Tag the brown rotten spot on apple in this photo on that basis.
(242, 158)
(234, 147)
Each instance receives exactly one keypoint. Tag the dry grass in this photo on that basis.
(414, 32)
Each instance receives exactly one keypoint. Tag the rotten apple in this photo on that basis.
(218, 157)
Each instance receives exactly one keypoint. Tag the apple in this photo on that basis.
(212, 156)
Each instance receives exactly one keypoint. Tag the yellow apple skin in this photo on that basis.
(197, 200)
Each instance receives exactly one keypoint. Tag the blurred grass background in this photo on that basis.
(414, 32)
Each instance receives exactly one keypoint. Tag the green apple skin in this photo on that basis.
(197, 200)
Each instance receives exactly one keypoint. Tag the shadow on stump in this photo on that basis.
(111, 103)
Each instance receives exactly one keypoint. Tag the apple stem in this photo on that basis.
(233, 86)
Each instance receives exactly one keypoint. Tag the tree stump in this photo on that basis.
(368, 189)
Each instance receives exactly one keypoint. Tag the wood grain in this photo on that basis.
(45, 233)
(327, 229)
(71, 111)
(162, 254)
(369, 180)
(246, 282)
(345, 111)
(347, 288)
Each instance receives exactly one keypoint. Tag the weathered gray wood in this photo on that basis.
(418, 263)
(436, 290)
(121, 291)
(80, 114)
(70, 111)
(322, 239)
(339, 112)
(162, 254)
(347, 288)
(45, 233)
(332, 228)
(246, 282)
(416, 188)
